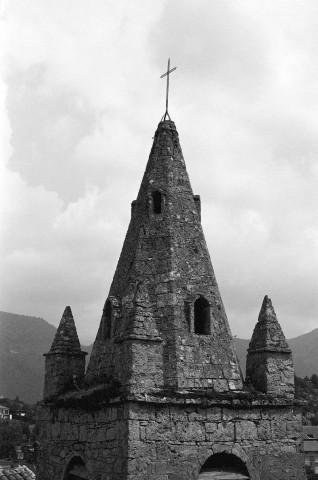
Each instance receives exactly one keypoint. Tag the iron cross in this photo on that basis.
(167, 92)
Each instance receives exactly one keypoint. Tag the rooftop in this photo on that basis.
(17, 473)
(308, 446)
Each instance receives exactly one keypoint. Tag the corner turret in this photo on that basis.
(65, 362)
(269, 365)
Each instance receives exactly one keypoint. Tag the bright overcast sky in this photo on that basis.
(81, 98)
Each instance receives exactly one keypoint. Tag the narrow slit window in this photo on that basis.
(107, 323)
(202, 317)
(156, 202)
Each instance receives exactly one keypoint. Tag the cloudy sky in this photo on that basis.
(81, 97)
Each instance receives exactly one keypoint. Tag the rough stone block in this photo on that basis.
(224, 433)
(264, 430)
(186, 432)
(245, 430)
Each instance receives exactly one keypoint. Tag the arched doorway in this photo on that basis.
(76, 470)
(224, 466)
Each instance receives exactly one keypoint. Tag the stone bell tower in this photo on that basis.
(163, 397)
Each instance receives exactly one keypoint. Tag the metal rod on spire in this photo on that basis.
(167, 90)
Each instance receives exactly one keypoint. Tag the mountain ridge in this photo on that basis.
(24, 339)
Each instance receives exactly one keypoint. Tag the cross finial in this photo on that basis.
(167, 91)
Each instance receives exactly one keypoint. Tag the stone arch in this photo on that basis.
(227, 464)
(202, 316)
(76, 470)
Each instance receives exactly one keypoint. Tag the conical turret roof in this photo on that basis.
(268, 334)
(66, 338)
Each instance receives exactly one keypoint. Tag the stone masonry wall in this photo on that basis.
(271, 372)
(59, 371)
(170, 442)
(162, 441)
(99, 437)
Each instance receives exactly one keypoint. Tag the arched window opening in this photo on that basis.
(202, 317)
(107, 320)
(156, 202)
(224, 463)
(76, 470)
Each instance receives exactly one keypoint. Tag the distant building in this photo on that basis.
(5, 413)
(19, 414)
(310, 447)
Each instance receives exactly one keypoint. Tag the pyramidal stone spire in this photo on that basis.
(269, 366)
(65, 361)
(165, 252)
(268, 334)
(66, 338)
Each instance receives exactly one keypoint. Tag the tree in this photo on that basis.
(314, 380)
(11, 434)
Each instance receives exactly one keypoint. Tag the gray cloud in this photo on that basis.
(83, 100)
